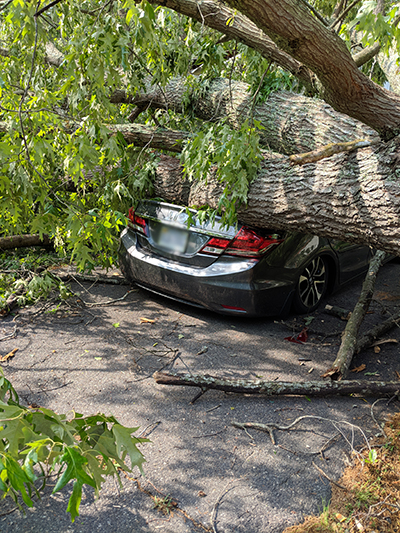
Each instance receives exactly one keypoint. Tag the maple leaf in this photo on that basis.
(127, 444)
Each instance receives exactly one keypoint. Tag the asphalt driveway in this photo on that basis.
(100, 358)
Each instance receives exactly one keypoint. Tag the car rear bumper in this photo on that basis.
(227, 286)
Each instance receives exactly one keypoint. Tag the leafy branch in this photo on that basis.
(80, 449)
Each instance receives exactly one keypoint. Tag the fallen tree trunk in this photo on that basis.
(278, 388)
(22, 241)
(351, 197)
(296, 31)
(348, 346)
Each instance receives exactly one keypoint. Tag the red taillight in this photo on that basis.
(248, 243)
(215, 246)
(138, 223)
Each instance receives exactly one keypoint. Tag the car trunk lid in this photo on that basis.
(178, 233)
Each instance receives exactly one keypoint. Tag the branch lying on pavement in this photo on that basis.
(348, 346)
(114, 280)
(380, 329)
(275, 388)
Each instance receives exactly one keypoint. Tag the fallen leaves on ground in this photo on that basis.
(358, 368)
(300, 339)
(382, 295)
(144, 320)
(9, 355)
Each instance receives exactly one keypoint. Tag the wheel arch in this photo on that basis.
(332, 271)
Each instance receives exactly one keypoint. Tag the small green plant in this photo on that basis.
(365, 497)
(37, 442)
(372, 457)
(165, 505)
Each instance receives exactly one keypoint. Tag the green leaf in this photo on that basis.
(17, 478)
(75, 500)
(372, 456)
(75, 462)
(127, 444)
(30, 460)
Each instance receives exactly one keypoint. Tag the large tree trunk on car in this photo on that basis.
(353, 196)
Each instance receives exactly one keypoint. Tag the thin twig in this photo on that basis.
(381, 427)
(2, 8)
(213, 408)
(209, 434)
(10, 335)
(259, 88)
(328, 478)
(108, 302)
(153, 426)
(343, 14)
(45, 8)
(54, 388)
(268, 428)
(218, 501)
(318, 452)
(315, 12)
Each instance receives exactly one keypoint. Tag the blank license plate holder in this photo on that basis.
(173, 239)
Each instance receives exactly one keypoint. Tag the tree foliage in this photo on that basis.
(37, 442)
(63, 170)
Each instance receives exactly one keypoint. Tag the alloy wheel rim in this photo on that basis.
(312, 282)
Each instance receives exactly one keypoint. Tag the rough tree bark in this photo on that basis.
(350, 196)
(22, 241)
(291, 26)
(275, 388)
(291, 123)
(353, 197)
(348, 346)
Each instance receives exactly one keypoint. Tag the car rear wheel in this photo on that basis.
(311, 286)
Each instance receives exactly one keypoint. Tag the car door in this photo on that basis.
(353, 259)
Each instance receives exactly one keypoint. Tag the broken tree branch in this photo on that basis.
(380, 329)
(275, 388)
(328, 151)
(348, 346)
(21, 241)
(338, 312)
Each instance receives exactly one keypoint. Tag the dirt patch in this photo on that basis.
(370, 499)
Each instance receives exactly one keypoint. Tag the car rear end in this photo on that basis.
(172, 251)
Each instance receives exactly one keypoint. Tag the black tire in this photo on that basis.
(311, 286)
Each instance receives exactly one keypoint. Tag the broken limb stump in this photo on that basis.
(276, 388)
(380, 329)
(348, 345)
(338, 312)
(22, 241)
(328, 151)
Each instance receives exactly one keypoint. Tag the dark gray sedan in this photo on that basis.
(234, 270)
